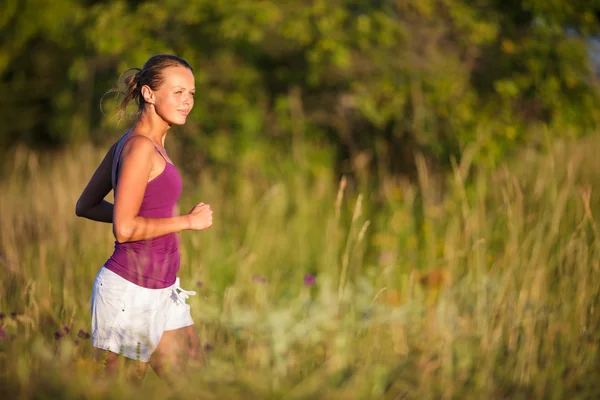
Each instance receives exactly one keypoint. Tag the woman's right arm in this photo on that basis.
(91, 203)
(134, 172)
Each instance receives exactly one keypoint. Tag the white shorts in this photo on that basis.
(129, 319)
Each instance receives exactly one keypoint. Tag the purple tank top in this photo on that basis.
(151, 263)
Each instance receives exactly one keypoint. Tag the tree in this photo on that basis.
(372, 80)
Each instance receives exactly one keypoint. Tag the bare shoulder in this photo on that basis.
(138, 146)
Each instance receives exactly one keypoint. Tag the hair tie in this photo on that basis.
(138, 76)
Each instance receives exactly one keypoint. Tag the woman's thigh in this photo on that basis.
(177, 350)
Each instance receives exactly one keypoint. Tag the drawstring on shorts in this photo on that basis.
(180, 294)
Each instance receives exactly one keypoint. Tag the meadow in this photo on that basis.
(475, 284)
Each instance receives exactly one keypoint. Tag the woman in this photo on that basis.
(138, 309)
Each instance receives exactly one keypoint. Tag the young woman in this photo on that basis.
(138, 308)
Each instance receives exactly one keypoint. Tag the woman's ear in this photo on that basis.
(148, 94)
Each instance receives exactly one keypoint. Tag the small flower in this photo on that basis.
(66, 330)
(208, 347)
(83, 334)
(3, 335)
(57, 335)
(259, 279)
(199, 284)
(76, 342)
(386, 257)
(309, 280)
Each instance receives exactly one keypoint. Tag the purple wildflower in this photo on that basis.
(259, 279)
(309, 279)
(57, 335)
(66, 330)
(83, 334)
(199, 284)
(208, 347)
(3, 335)
(76, 342)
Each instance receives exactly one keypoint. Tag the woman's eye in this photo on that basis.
(178, 92)
(193, 94)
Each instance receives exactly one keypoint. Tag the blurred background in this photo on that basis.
(366, 82)
(405, 194)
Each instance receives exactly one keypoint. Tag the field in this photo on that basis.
(471, 285)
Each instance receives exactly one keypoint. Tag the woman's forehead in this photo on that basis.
(178, 76)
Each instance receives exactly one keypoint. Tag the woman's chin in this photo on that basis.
(177, 121)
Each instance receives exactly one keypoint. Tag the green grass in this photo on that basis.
(483, 289)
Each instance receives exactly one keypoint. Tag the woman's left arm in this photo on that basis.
(91, 203)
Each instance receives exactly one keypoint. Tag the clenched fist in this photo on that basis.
(200, 217)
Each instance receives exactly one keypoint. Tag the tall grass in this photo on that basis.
(308, 288)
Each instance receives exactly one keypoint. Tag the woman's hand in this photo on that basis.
(200, 217)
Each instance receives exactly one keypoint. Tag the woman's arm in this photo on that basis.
(91, 203)
(135, 170)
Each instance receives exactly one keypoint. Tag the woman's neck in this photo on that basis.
(153, 127)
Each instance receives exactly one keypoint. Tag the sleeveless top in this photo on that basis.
(151, 263)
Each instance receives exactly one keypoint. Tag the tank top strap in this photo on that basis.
(117, 156)
(161, 153)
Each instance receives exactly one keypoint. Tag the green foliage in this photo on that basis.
(374, 81)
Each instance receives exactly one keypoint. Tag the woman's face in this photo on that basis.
(174, 99)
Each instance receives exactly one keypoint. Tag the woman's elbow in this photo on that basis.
(122, 232)
(79, 209)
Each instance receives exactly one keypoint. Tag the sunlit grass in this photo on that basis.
(308, 288)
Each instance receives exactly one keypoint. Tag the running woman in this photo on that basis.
(139, 311)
